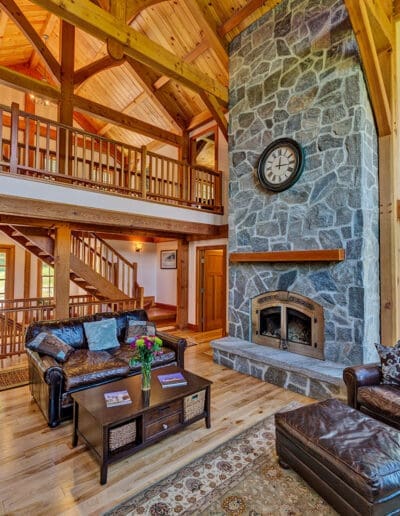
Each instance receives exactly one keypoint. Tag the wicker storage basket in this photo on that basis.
(122, 435)
(193, 405)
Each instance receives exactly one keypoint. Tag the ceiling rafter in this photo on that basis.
(3, 22)
(165, 108)
(382, 27)
(83, 74)
(134, 7)
(47, 30)
(217, 112)
(135, 102)
(359, 18)
(209, 26)
(200, 119)
(247, 10)
(104, 25)
(191, 56)
(24, 83)
(18, 17)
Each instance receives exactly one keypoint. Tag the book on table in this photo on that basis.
(116, 398)
(172, 380)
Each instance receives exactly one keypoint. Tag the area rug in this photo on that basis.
(240, 477)
(14, 377)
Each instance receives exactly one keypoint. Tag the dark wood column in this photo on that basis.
(182, 301)
(62, 253)
(65, 106)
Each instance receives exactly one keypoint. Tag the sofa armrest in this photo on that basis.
(46, 383)
(360, 376)
(45, 365)
(177, 344)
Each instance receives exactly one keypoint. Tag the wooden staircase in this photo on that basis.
(95, 266)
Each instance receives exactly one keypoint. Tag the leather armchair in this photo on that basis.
(367, 393)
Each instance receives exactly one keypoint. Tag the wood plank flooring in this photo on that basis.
(41, 474)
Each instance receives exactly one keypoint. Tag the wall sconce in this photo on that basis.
(138, 246)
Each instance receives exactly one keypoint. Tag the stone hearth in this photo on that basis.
(309, 376)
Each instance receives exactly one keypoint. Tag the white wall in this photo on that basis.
(166, 278)
(146, 261)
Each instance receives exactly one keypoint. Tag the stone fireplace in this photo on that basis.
(296, 73)
(288, 321)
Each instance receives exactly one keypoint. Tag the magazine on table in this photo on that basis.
(113, 399)
(172, 380)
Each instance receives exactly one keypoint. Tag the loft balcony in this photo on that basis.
(47, 151)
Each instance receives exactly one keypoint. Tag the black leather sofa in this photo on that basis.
(52, 382)
(367, 393)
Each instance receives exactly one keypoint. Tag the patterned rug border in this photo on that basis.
(122, 508)
(21, 374)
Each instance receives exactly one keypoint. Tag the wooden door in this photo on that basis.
(212, 288)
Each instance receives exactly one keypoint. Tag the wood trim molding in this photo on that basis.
(132, 222)
(311, 255)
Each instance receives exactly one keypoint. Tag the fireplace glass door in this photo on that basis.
(288, 321)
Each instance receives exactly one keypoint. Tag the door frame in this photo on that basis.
(199, 272)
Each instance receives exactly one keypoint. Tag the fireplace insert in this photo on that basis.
(288, 321)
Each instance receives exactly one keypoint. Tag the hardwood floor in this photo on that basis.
(42, 474)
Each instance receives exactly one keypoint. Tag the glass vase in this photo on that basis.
(146, 377)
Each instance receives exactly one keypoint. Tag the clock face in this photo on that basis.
(280, 165)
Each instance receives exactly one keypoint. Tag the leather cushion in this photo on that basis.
(390, 362)
(362, 451)
(381, 398)
(85, 367)
(125, 353)
(51, 345)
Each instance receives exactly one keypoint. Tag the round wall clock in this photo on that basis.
(281, 164)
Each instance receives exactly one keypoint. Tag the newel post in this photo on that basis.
(14, 138)
(143, 171)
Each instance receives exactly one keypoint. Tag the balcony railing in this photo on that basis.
(37, 147)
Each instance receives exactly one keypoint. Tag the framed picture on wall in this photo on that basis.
(168, 259)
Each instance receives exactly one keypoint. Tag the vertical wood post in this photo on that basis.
(389, 274)
(143, 172)
(182, 301)
(62, 253)
(65, 107)
(14, 138)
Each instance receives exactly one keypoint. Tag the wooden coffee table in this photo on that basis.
(117, 432)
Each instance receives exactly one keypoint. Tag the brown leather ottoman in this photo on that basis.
(349, 458)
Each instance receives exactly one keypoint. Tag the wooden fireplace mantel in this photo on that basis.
(310, 255)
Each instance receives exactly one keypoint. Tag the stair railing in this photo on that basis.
(14, 321)
(107, 262)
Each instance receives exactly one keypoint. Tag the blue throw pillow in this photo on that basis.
(51, 345)
(102, 334)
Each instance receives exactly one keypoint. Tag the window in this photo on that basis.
(6, 272)
(46, 280)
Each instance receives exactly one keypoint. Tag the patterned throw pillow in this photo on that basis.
(136, 328)
(390, 363)
(102, 334)
(51, 345)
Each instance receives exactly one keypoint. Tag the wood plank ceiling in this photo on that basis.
(196, 32)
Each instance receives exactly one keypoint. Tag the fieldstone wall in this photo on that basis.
(296, 73)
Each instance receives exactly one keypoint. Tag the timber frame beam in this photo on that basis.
(104, 26)
(79, 217)
(374, 28)
(24, 83)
